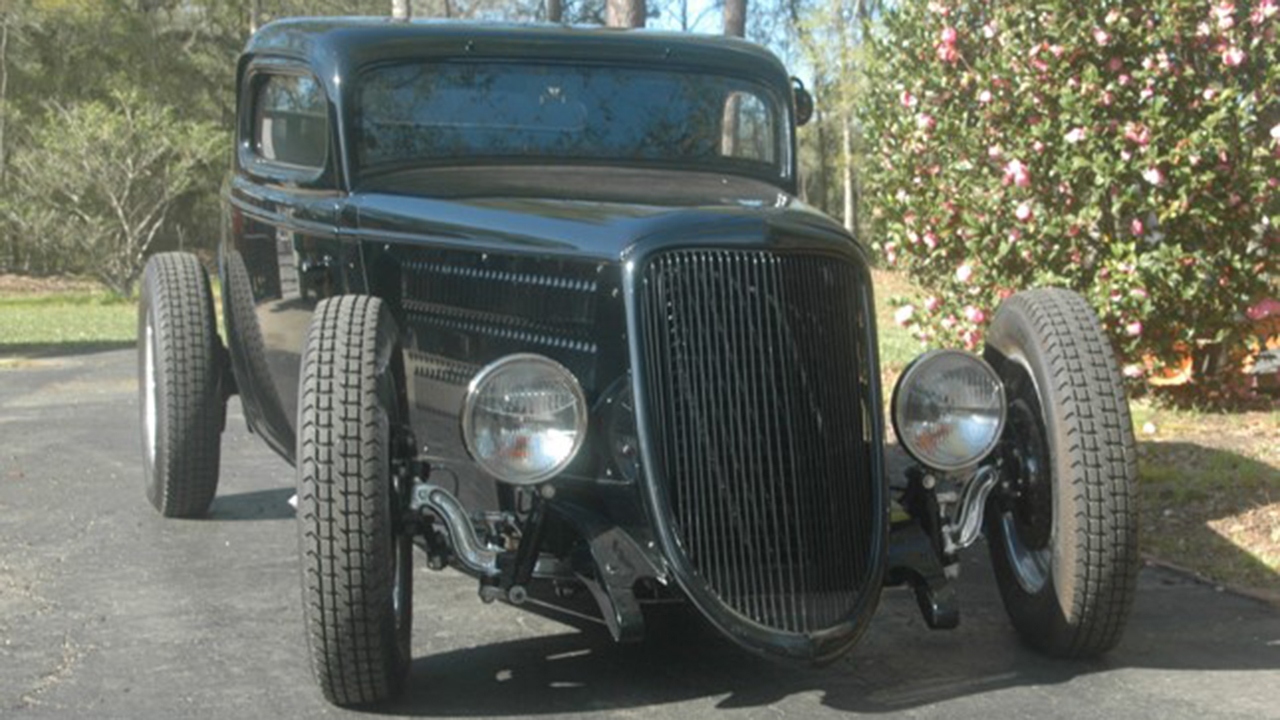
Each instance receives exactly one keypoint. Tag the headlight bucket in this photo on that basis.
(948, 409)
(524, 418)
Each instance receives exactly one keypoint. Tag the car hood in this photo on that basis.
(597, 213)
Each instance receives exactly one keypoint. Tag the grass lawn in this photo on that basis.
(1209, 483)
(36, 324)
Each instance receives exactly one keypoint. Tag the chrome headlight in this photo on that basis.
(524, 418)
(948, 409)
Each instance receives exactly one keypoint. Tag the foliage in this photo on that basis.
(99, 181)
(1125, 150)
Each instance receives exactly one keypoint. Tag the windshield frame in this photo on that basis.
(781, 172)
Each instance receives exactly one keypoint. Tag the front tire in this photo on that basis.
(1063, 535)
(180, 366)
(356, 559)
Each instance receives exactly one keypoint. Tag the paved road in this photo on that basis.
(108, 611)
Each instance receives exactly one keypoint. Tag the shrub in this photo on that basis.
(1126, 150)
(100, 181)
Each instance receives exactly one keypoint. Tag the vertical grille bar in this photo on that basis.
(755, 373)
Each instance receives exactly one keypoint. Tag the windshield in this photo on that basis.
(439, 113)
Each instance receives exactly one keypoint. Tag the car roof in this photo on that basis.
(345, 45)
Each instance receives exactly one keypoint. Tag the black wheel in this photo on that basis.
(1063, 530)
(357, 580)
(180, 385)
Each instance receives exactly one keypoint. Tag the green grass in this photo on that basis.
(897, 347)
(33, 323)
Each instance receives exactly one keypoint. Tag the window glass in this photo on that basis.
(748, 131)
(291, 122)
(437, 113)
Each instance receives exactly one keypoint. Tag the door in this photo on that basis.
(283, 254)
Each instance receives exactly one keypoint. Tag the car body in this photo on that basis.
(620, 210)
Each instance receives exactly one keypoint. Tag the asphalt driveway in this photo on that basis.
(108, 611)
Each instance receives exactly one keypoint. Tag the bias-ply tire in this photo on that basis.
(180, 370)
(356, 562)
(1068, 588)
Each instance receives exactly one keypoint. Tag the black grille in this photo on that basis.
(756, 370)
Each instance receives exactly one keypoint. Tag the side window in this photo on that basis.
(748, 131)
(291, 121)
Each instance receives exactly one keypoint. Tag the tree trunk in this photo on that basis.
(255, 15)
(846, 160)
(735, 18)
(625, 13)
(822, 181)
(555, 11)
(400, 9)
(4, 112)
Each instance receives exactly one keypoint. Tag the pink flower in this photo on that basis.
(948, 35)
(1225, 13)
(989, 31)
(1075, 135)
(1147, 93)
(1115, 64)
(1017, 173)
(903, 315)
(984, 97)
(932, 304)
(931, 240)
(1124, 79)
(963, 273)
(1037, 146)
(1233, 56)
(1102, 37)
(925, 122)
(1264, 309)
(1014, 236)
(1138, 133)
(948, 54)
(1108, 98)
(1203, 30)
(1136, 227)
(908, 100)
(1024, 211)
(1057, 50)
(974, 315)
(1138, 293)
(971, 339)
(1263, 12)
(1126, 155)
(1113, 17)
(1133, 370)
(1133, 329)
(1275, 132)
(1209, 94)
(1153, 176)
(949, 322)
(939, 9)
(994, 152)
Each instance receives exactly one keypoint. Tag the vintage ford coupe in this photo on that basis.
(542, 302)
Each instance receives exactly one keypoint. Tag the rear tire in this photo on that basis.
(357, 576)
(180, 369)
(1065, 547)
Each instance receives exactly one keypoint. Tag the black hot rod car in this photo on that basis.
(542, 302)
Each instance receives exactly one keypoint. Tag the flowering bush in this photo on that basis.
(1126, 150)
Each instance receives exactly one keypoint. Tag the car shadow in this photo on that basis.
(270, 504)
(1198, 502)
(1178, 624)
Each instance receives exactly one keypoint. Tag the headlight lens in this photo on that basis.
(948, 409)
(524, 418)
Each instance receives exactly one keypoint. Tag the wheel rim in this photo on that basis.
(149, 392)
(1026, 519)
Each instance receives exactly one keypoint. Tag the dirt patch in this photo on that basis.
(27, 285)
